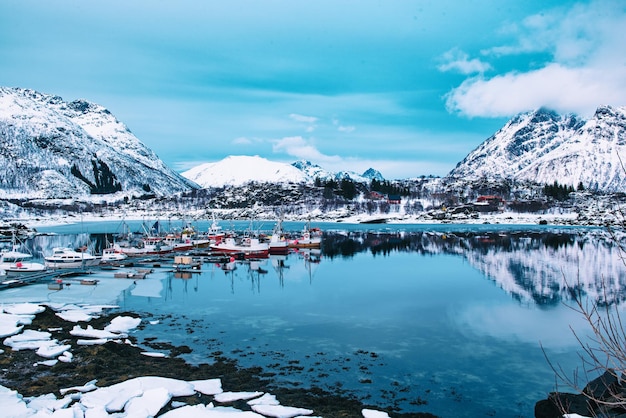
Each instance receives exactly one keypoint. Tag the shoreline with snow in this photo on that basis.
(89, 366)
(503, 218)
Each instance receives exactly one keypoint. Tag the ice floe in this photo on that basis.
(91, 332)
(279, 411)
(24, 309)
(123, 324)
(208, 387)
(226, 397)
(371, 413)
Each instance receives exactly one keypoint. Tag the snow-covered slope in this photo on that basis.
(314, 171)
(543, 146)
(236, 170)
(56, 149)
(241, 169)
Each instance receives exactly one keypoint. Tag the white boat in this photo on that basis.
(250, 247)
(180, 242)
(156, 245)
(309, 238)
(112, 255)
(63, 257)
(16, 262)
(152, 245)
(213, 235)
(278, 244)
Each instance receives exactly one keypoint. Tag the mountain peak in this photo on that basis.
(544, 114)
(236, 170)
(372, 174)
(56, 149)
(544, 146)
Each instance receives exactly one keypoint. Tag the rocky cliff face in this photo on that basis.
(50, 148)
(543, 146)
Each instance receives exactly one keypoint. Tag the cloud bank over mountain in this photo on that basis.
(586, 64)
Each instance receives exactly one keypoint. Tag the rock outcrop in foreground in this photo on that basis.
(604, 396)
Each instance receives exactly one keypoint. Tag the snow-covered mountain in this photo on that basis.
(241, 169)
(314, 171)
(56, 149)
(237, 170)
(543, 146)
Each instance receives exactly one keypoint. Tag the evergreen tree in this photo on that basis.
(348, 189)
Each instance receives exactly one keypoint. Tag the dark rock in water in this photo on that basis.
(603, 396)
(557, 403)
(603, 386)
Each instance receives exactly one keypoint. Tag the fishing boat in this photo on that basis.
(151, 243)
(179, 242)
(156, 245)
(112, 255)
(63, 257)
(247, 245)
(16, 262)
(213, 235)
(277, 243)
(147, 245)
(309, 238)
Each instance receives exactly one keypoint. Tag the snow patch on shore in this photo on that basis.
(141, 397)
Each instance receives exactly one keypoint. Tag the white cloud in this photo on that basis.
(577, 90)
(302, 118)
(300, 148)
(346, 129)
(586, 69)
(242, 141)
(457, 60)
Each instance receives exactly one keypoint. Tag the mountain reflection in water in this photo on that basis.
(423, 319)
(541, 267)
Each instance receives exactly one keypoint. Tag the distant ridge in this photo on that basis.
(543, 146)
(237, 170)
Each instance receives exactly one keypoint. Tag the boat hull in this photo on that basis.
(25, 268)
(279, 249)
(306, 244)
(62, 264)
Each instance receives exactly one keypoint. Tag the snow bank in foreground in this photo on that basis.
(141, 397)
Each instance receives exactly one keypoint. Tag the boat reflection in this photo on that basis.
(536, 266)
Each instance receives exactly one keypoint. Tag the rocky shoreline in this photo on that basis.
(112, 362)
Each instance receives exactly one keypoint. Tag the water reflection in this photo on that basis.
(540, 267)
(535, 267)
(425, 320)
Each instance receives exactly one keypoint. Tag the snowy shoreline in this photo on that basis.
(137, 396)
(502, 218)
(68, 340)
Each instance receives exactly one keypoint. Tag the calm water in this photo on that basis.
(440, 319)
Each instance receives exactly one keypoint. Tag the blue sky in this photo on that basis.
(406, 87)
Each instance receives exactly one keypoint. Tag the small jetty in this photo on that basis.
(133, 274)
(39, 277)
